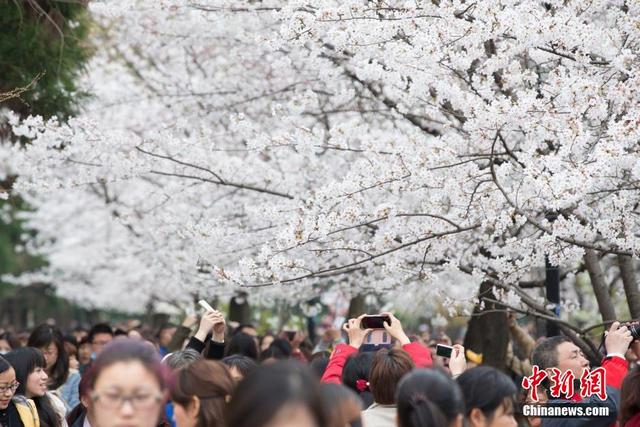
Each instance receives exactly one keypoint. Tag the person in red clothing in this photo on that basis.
(420, 354)
(561, 353)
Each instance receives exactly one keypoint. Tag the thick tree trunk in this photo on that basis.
(600, 288)
(630, 284)
(356, 306)
(488, 332)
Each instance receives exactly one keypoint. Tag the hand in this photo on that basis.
(207, 321)
(511, 319)
(355, 333)
(395, 329)
(618, 339)
(190, 320)
(219, 327)
(458, 361)
(298, 338)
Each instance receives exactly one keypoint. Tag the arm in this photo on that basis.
(420, 354)
(333, 373)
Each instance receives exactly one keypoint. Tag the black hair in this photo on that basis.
(241, 326)
(26, 360)
(99, 328)
(358, 367)
(342, 404)
(43, 336)
(261, 395)
(243, 344)
(4, 365)
(11, 338)
(318, 364)
(428, 397)
(545, 354)
(120, 333)
(279, 349)
(245, 365)
(486, 388)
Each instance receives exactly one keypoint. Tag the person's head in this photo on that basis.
(489, 397)
(180, 359)
(127, 384)
(342, 404)
(319, 362)
(84, 351)
(100, 335)
(49, 340)
(279, 349)
(8, 383)
(71, 347)
(30, 366)
(355, 375)
(246, 328)
(242, 344)
(429, 397)
(630, 400)
(282, 394)
(199, 394)
(387, 368)
(559, 352)
(266, 341)
(165, 334)
(80, 333)
(239, 366)
(8, 342)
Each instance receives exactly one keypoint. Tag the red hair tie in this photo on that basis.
(362, 385)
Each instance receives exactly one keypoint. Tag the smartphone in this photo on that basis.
(374, 322)
(205, 305)
(290, 335)
(444, 350)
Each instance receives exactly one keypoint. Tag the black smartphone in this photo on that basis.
(291, 335)
(374, 322)
(444, 350)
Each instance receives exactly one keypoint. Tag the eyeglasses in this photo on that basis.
(11, 387)
(115, 401)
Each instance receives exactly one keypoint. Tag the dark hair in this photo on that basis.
(342, 405)
(210, 382)
(25, 360)
(630, 400)
(127, 350)
(180, 359)
(243, 344)
(4, 365)
(545, 353)
(99, 328)
(119, 333)
(387, 368)
(279, 349)
(241, 326)
(318, 363)
(10, 338)
(260, 396)
(486, 388)
(243, 364)
(428, 397)
(42, 337)
(358, 367)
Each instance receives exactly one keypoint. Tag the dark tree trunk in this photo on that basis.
(488, 333)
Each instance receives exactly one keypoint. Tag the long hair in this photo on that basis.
(630, 401)
(25, 361)
(210, 382)
(42, 337)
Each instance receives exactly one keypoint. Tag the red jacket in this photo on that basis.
(616, 369)
(420, 355)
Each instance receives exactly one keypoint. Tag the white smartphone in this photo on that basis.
(205, 305)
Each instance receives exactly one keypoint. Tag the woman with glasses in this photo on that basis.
(127, 385)
(24, 382)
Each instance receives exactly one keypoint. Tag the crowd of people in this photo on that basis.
(232, 377)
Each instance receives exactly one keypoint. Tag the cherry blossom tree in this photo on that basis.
(411, 148)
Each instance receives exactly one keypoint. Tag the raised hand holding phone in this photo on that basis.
(394, 328)
(354, 331)
(211, 321)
